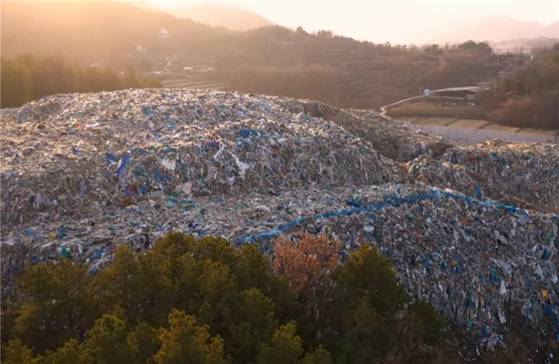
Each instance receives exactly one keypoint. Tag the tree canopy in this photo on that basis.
(206, 301)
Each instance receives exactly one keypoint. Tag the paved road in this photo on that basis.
(383, 109)
(476, 133)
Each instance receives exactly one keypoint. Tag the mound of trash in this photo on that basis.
(83, 173)
(393, 139)
(76, 154)
(522, 174)
(474, 260)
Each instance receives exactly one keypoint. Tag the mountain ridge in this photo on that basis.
(221, 15)
(498, 28)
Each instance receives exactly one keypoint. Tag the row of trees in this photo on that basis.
(190, 300)
(529, 95)
(27, 77)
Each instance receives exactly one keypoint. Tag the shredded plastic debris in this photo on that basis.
(391, 138)
(523, 174)
(83, 173)
(76, 154)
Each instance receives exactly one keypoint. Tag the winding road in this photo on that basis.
(384, 109)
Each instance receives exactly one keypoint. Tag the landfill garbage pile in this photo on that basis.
(77, 154)
(394, 139)
(83, 173)
(522, 174)
(472, 259)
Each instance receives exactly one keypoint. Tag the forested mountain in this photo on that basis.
(108, 33)
(221, 15)
(27, 77)
(268, 60)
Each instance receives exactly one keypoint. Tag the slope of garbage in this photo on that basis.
(398, 141)
(526, 175)
(83, 173)
(521, 174)
(77, 154)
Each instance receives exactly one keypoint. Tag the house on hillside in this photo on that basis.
(464, 93)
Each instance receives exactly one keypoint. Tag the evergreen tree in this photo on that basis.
(285, 347)
(16, 352)
(106, 342)
(253, 322)
(186, 342)
(55, 304)
(72, 352)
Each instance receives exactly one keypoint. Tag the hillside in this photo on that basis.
(221, 15)
(83, 173)
(107, 33)
(270, 60)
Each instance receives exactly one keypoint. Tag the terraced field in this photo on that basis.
(188, 80)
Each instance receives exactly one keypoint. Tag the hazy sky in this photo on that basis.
(397, 21)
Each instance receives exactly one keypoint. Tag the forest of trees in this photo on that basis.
(347, 73)
(190, 300)
(28, 77)
(529, 95)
